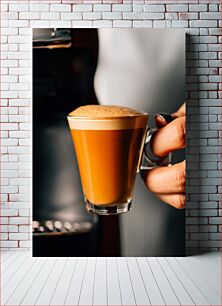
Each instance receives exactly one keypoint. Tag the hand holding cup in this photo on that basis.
(168, 182)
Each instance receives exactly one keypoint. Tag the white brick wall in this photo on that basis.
(204, 91)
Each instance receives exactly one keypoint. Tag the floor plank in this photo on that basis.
(212, 262)
(22, 288)
(213, 279)
(140, 292)
(190, 286)
(113, 285)
(4, 255)
(61, 290)
(86, 294)
(167, 291)
(17, 278)
(100, 284)
(39, 282)
(152, 287)
(180, 291)
(12, 270)
(10, 261)
(75, 287)
(47, 292)
(208, 292)
(126, 289)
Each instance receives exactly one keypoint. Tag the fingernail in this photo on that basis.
(167, 117)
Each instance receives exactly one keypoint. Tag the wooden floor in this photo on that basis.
(192, 280)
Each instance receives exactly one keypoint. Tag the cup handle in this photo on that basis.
(148, 160)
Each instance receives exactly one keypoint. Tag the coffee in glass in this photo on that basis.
(108, 141)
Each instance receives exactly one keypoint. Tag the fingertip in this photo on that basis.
(169, 138)
(181, 203)
(166, 117)
(159, 120)
(177, 201)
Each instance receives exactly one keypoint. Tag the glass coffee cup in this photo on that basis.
(109, 142)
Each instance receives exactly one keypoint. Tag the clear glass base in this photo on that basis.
(114, 209)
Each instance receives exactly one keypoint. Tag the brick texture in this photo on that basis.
(200, 18)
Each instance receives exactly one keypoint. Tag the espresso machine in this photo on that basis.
(64, 64)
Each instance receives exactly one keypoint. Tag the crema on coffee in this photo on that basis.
(108, 142)
(106, 117)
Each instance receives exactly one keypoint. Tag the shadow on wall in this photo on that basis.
(192, 146)
(197, 221)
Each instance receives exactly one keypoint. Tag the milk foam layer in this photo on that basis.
(105, 111)
(106, 117)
